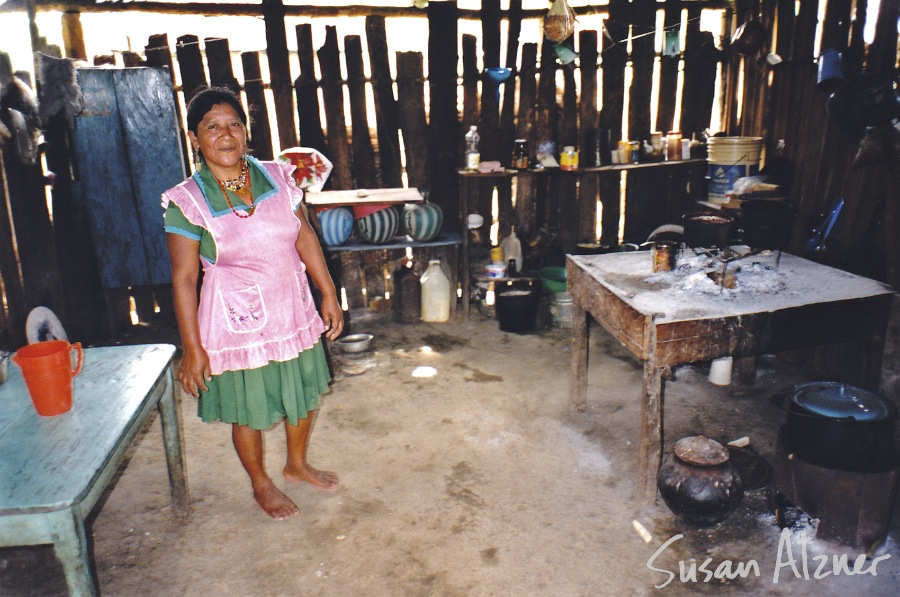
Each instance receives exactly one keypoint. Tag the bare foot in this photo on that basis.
(316, 478)
(276, 504)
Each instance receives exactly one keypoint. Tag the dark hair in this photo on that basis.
(204, 101)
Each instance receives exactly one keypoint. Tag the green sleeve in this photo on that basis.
(177, 223)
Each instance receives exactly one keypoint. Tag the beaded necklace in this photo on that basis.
(236, 185)
(242, 181)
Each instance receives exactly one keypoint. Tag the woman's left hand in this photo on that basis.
(333, 317)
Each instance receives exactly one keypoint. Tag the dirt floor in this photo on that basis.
(479, 480)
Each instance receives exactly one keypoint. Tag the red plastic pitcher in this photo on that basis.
(47, 370)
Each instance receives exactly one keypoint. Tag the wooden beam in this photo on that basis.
(255, 10)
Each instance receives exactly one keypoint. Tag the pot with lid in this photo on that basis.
(838, 426)
(698, 482)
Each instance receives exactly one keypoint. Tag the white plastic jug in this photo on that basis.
(435, 293)
(512, 249)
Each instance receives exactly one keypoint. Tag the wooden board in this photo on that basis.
(364, 197)
(121, 172)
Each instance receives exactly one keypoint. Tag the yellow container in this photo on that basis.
(568, 159)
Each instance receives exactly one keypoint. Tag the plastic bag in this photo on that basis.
(559, 22)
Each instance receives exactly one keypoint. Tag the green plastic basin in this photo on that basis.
(554, 278)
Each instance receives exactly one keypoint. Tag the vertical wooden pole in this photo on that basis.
(508, 110)
(190, 63)
(546, 114)
(668, 70)
(567, 197)
(258, 111)
(470, 79)
(442, 85)
(643, 54)
(586, 228)
(73, 36)
(218, 61)
(307, 88)
(279, 71)
(333, 96)
(411, 99)
(385, 104)
(615, 55)
(13, 333)
(490, 117)
(159, 55)
(363, 154)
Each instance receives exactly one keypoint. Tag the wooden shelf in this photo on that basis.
(582, 170)
(399, 242)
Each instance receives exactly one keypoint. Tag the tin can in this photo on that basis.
(663, 255)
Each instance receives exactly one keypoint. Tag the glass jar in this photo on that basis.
(658, 145)
(624, 152)
(519, 159)
(673, 146)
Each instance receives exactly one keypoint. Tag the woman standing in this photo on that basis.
(252, 349)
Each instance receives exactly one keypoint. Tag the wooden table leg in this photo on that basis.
(71, 548)
(651, 432)
(579, 355)
(172, 440)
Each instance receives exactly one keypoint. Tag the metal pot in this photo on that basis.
(766, 222)
(707, 229)
(842, 427)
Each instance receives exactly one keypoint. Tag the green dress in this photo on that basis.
(263, 396)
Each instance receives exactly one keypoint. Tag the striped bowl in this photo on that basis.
(336, 225)
(379, 227)
(422, 221)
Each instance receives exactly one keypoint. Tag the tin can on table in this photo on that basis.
(663, 255)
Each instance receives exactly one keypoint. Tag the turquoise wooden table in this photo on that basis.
(54, 469)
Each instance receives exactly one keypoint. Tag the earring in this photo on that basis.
(198, 164)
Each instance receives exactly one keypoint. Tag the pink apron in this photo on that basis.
(255, 301)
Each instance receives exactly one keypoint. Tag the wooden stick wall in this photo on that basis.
(541, 100)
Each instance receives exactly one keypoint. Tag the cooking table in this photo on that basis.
(673, 318)
(54, 469)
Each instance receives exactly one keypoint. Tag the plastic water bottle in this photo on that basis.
(473, 155)
(435, 293)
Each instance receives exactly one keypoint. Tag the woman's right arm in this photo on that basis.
(185, 255)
